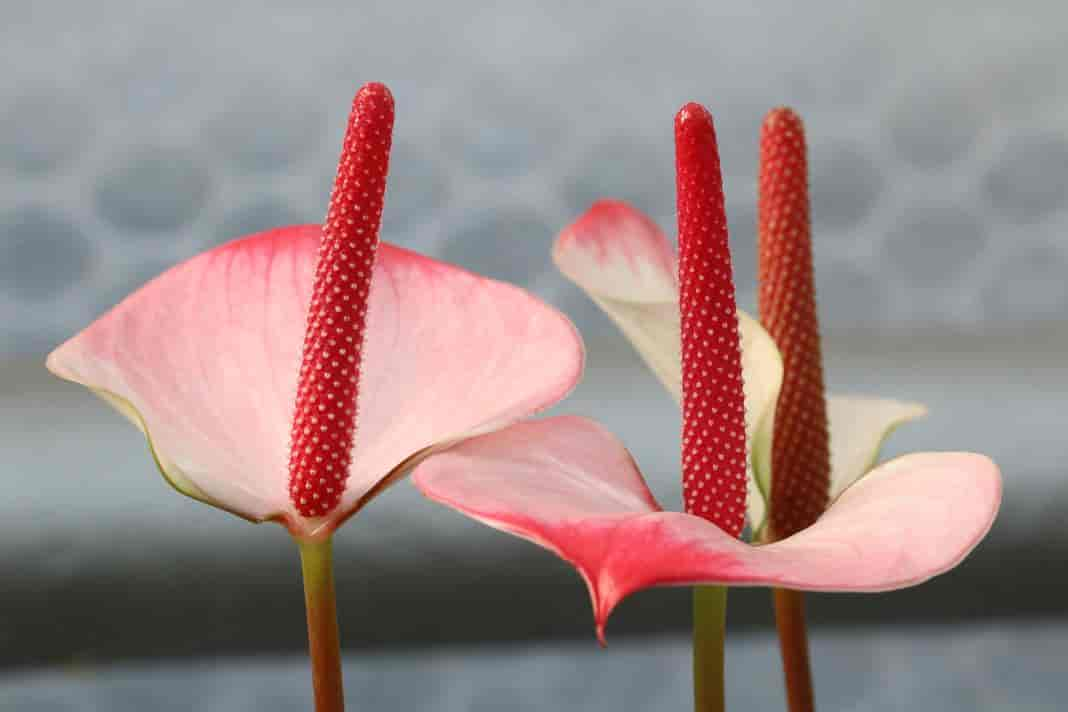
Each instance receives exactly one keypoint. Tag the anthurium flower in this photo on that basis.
(207, 359)
(290, 376)
(624, 262)
(570, 486)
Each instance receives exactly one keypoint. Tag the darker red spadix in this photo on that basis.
(800, 456)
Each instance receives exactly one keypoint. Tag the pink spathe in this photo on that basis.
(569, 485)
(205, 359)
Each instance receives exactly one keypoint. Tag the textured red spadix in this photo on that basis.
(325, 419)
(800, 458)
(713, 402)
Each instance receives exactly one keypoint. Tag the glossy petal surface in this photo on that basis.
(205, 359)
(570, 486)
(624, 263)
(622, 260)
(859, 426)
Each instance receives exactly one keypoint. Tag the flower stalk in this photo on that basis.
(324, 646)
(709, 629)
(800, 458)
(793, 645)
(444, 353)
(713, 401)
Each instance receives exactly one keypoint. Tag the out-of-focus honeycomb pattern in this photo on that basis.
(132, 138)
(979, 669)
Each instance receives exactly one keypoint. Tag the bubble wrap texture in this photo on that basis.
(132, 137)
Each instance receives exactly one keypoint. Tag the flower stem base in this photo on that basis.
(709, 625)
(793, 643)
(316, 559)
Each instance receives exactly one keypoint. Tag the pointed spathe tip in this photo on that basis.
(601, 613)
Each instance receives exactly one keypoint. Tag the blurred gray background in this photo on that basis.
(133, 135)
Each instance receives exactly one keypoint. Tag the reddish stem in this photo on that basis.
(793, 644)
(800, 458)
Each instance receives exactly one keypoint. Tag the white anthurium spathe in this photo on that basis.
(626, 265)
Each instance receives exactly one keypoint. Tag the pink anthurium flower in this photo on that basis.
(205, 359)
(292, 375)
(625, 263)
(570, 486)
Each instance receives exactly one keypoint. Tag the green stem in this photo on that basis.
(709, 623)
(793, 643)
(316, 563)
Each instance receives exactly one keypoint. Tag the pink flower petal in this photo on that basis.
(859, 426)
(624, 263)
(618, 253)
(570, 486)
(205, 359)
(622, 260)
